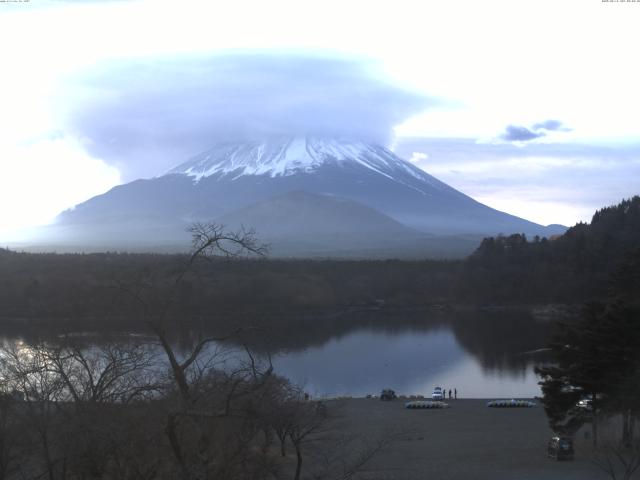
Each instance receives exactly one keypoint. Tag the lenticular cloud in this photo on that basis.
(146, 117)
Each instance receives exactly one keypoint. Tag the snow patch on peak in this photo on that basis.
(278, 157)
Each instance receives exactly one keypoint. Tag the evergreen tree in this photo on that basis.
(583, 371)
(598, 357)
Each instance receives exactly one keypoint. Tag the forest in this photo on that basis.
(89, 291)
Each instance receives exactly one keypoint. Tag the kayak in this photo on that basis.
(425, 404)
(511, 403)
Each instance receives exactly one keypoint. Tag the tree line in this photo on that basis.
(50, 289)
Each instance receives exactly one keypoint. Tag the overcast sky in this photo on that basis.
(531, 107)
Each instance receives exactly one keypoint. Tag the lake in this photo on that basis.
(366, 361)
(481, 354)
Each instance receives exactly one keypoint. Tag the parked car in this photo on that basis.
(560, 448)
(387, 394)
(585, 403)
(437, 394)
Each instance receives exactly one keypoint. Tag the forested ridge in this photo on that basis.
(572, 269)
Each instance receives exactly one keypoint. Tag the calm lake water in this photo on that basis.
(410, 362)
(481, 354)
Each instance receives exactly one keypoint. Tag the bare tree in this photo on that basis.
(26, 370)
(106, 373)
(205, 394)
(619, 461)
(309, 417)
(618, 458)
(11, 434)
(330, 452)
(209, 240)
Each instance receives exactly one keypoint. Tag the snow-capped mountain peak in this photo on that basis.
(287, 156)
(310, 196)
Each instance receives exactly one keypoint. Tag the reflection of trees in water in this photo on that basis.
(285, 335)
(499, 340)
(502, 341)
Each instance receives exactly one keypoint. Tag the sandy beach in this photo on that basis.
(466, 441)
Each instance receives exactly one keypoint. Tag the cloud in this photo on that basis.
(544, 182)
(417, 157)
(551, 126)
(515, 133)
(520, 134)
(145, 117)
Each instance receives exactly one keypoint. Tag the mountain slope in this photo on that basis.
(235, 175)
(368, 173)
(301, 213)
(301, 223)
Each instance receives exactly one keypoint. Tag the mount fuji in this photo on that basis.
(305, 196)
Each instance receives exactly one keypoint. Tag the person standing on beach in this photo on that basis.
(455, 391)
(449, 394)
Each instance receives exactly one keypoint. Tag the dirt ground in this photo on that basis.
(466, 441)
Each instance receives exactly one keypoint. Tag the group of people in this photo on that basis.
(455, 393)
